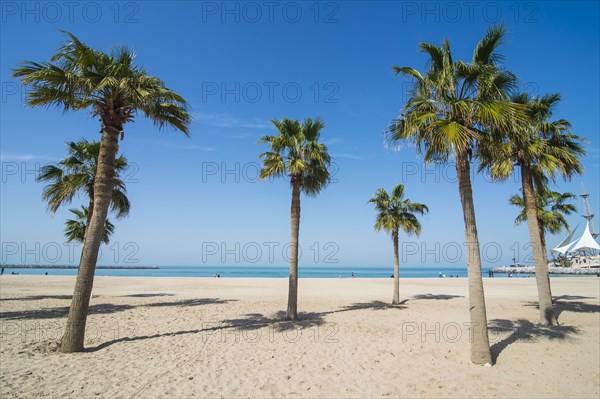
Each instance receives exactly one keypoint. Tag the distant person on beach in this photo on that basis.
(46, 273)
(2, 272)
(218, 275)
(352, 274)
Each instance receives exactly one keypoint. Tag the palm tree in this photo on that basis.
(75, 228)
(76, 174)
(296, 153)
(452, 105)
(394, 213)
(114, 90)
(542, 149)
(552, 207)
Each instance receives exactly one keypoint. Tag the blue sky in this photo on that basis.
(196, 200)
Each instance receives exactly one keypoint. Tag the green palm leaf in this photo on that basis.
(75, 228)
(75, 175)
(297, 153)
(394, 212)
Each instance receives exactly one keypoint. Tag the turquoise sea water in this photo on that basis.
(255, 271)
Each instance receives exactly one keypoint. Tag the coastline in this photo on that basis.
(251, 271)
(254, 271)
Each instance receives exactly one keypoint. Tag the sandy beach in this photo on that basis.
(198, 337)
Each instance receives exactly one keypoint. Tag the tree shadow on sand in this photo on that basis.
(570, 303)
(104, 308)
(153, 336)
(190, 302)
(255, 321)
(69, 297)
(525, 332)
(373, 305)
(437, 297)
(54, 313)
(248, 322)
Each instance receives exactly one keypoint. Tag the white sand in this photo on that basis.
(193, 337)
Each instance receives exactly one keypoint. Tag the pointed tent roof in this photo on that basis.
(585, 242)
(564, 245)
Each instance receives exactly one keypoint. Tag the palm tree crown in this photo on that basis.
(454, 102)
(297, 153)
(77, 173)
(394, 212)
(547, 147)
(110, 84)
(552, 207)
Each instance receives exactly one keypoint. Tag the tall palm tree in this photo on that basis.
(75, 228)
(394, 212)
(76, 174)
(541, 149)
(296, 153)
(114, 90)
(552, 207)
(452, 105)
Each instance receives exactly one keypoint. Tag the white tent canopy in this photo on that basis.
(585, 243)
(564, 245)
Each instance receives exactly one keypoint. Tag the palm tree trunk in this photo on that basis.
(545, 252)
(90, 206)
(89, 218)
(73, 338)
(292, 308)
(90, 214)
(541, 265)
(480, 344)
(396, 298)
(542, 239)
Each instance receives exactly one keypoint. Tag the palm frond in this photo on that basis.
(394, 212)
(75, 175)
(485, 50)
(297, 152)
(551, 208)
(75, 228)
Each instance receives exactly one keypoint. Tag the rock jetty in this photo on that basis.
(577, 271)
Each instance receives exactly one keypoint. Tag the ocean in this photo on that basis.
(261, 272)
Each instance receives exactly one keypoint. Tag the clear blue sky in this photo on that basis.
(242, 65)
